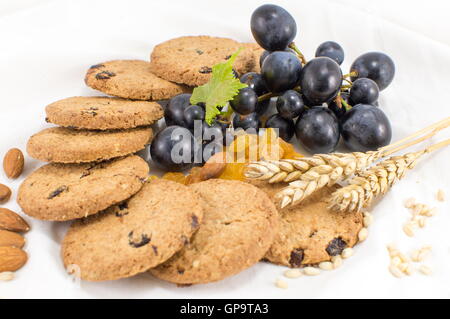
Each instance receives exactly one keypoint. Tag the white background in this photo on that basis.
(46, 47)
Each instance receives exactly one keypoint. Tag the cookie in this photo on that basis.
(256, 55)
(189, 60)
(310, 233)
(136, 235)
(61, 192)
(239, 225)
(63, 145)
(102, 113)
(131, 79)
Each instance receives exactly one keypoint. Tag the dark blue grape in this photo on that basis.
(320, 80)
(376, 66)
(262, 107)
(365, 128)
(364, 91)
(273, 27)
(174, 112)
(290, 104)
(318, 130)
(281, 71)
(263, 57)
(250, 121)
(193, 113)
(332, 50)
(286, 127)
(245, 101)
(214, 132)
(178, 139)
(254, 81)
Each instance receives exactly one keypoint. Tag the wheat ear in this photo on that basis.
(365, 186)
(307, 175)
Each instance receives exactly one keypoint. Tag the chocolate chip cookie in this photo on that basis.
(189, 60)
(136, 235)
(239, 225)
(61, 192)
(63, 145)
(102, 113)
(131, 79)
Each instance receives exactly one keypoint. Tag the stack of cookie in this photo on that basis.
(92, 166)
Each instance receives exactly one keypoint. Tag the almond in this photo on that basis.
(5, 193)
(12, 258)
(13, 163)
(9, 238)
(11, 221)
(213, 168)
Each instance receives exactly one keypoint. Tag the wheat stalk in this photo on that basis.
(365, 186)
(307, 175)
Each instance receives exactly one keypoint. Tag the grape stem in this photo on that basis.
(266, 96)
(348, 81)
(349, 75)
(298, 52)
(347, 106)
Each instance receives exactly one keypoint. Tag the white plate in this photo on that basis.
(48, 45)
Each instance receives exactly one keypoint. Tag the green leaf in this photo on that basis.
(221, 88)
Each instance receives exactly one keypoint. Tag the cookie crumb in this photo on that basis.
(410, 202)
(281, 284)
(408, 229)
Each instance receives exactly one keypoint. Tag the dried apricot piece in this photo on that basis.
(175, 177)
(234, 171)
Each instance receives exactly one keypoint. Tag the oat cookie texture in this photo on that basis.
(239, 225)
(136, 235)
(61, 192)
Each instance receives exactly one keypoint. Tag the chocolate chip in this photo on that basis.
(122, 209)
(184, 240)
(57, 191)
(180, 271)
(194, 222)
(104, 75)
(297, 256)
(144, 240)
(199, 52)
(47, 120)
(155, 250)
(97, 66)
(313, 233)
(227, 57)
(336, 246)
(205, 70)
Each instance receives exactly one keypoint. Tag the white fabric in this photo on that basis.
(46, 47)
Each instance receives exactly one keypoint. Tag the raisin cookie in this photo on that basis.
(102, 113)
(310, 233)
(239, 225)
(136, 235)
(63, 145)
(61, 192)
(189, 60)
(131, 79)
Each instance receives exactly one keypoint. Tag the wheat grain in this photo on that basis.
(367, 185)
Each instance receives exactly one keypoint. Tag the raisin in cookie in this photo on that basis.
(189, 60)
(102, 113)
(239, 225)
(310, 233)
(61, 192)
(131, 79)
(63, 145)
(136, 235)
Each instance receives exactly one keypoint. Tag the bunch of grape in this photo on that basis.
(314, 100)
